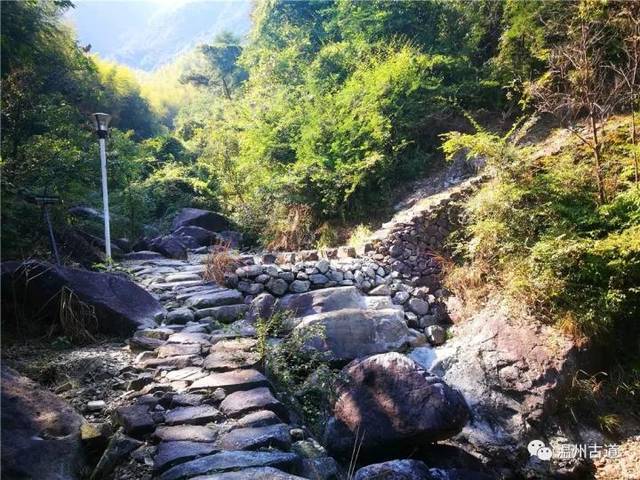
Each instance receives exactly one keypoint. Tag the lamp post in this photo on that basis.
(101, 121)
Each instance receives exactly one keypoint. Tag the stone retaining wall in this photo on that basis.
(400, 260)
(406, 248)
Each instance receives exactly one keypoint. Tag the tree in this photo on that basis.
(629, 73)
(221, 64)
(579, 84)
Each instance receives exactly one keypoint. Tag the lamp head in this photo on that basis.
(101, 123)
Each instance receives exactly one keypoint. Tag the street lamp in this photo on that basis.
(101, 122)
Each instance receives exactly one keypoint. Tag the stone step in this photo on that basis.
(198, 415)
(169, 454)
(243, 402)
(231, 381)
(226, 461)
(224, 297)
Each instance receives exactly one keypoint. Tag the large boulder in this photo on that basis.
(513, 373)
(394, 470)
(171, 246)
(31, 292)
(194, 237)
(414, 470)
(207, 219)
(40, 432)
(389, 403)
(343, 335)
(329, 300)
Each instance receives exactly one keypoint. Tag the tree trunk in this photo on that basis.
(225, 87)
(633, 141)
(596, 156)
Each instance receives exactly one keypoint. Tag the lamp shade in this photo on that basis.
(101, 121)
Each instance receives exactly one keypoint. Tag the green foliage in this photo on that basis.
(537, 231)
(299, 369)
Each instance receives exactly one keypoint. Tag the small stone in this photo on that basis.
(96, 406)
(169, 453)
(140, 382)
(428, 320)
(277, 286)
(192, 415)
(318, 279)
(119, 446)
(260, 418)
(231, 381)
(412, 319)
(323, 266)
(250, 287)
(180, 316)
(194, 433)
(299, 286)
(381, 290)
(242, 402)
(297, 434)
(418, 306)
(272, 436)
(436, 334)
(135, 419)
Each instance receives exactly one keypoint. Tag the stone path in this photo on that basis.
(200, 395)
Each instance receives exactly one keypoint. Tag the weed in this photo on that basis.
(298, 369)
(218, 263)
(77, 319)
(359, 236)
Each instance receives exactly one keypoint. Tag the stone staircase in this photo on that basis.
(200, 397)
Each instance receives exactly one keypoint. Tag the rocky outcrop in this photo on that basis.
(388, 402)
(31, 290)
(40, 432)
(512, 374)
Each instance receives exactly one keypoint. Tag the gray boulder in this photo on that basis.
(350, 333)
(171, 246)
(194, 236)
(121, 307)
(394, 404)
(212, 221)
(330, 299)
(40, 432)
(394, 470)
(261, 306)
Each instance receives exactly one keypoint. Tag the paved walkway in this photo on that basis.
(201, 395)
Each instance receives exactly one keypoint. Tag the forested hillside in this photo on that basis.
(305, 134)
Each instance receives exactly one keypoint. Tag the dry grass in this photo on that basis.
(219, 262)
(467, 282)
(77, 318)
(293, 230)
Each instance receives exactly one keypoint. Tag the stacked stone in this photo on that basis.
(424, 308)
(411, 244)
(308, 275)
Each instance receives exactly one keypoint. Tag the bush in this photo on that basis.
(537, 234)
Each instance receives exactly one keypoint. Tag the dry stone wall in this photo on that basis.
(400, 261)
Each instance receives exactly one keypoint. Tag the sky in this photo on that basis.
(146, 34)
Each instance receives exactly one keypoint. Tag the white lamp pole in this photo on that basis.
(102, 128)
